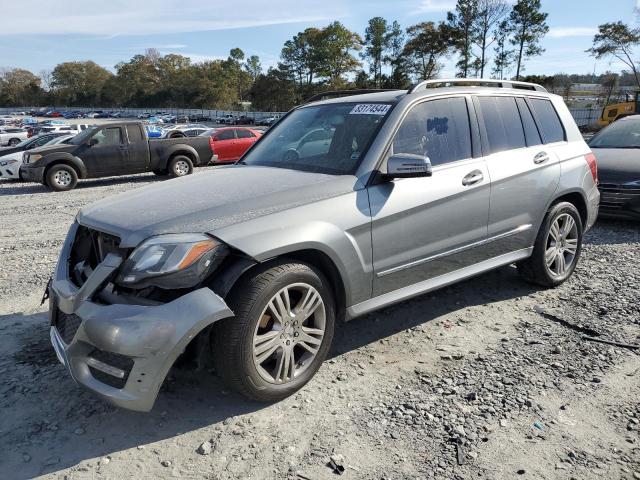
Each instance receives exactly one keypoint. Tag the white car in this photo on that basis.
(10, 164)
(187, 130)
(10, 136)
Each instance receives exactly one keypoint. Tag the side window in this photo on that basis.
(502, 123)
(531, 132)
(134, 134)
(42, 141)
(226, 135)
(550, 124)
(244, 133)
(438, 129)
(109, 136)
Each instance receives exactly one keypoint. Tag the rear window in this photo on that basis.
(548, 120)
(531, 133)
(225, 135)
(502, 123)
(244, 134)
(134, 133)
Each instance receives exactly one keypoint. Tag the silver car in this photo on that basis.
(257, 262)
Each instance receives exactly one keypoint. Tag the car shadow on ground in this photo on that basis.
(189, 400)
(26, 188)
(612, 228)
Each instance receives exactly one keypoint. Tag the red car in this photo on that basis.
(229, 144)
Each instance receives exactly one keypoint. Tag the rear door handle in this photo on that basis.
(540, 158)
(472, 178)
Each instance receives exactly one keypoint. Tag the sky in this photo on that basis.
(37, 35)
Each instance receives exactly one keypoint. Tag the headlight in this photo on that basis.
(172, 261)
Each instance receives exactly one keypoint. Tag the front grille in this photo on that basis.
(114, 360)
(617, 197)
(67, 325)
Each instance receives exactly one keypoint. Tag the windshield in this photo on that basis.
(82, 136)
(327, 138)
(620, 134)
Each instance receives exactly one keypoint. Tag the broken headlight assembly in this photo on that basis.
(172, 261)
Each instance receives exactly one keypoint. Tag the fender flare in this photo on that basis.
(181, 149)
(67, 158)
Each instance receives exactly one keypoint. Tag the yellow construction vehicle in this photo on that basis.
(612, 112)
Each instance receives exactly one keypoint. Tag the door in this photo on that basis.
(246, 138)
(107, 153)
(138, 150)
(224, 145)
(426, 227)
(524, 171)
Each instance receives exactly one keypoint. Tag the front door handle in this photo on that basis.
(540, 158)
(472, 178)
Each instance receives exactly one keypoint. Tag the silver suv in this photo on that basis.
(402, 192)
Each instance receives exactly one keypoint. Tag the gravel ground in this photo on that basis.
(490, 378)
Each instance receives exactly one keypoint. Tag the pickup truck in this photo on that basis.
(112, 149)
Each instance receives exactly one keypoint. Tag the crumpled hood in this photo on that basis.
(617, 165)
(208, 201)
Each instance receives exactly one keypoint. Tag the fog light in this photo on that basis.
(103, 367)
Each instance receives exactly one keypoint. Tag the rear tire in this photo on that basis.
(61, 178)
(557, 248)
(179, 166)
(14, 141)
(267, 356)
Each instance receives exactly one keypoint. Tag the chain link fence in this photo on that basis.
(134, 112)
(582, 116)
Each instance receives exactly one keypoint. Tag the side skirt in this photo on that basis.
(425, 286)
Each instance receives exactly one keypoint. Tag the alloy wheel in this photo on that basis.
(562, 245)
(289, 333)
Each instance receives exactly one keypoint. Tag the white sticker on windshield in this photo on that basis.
(370, 109)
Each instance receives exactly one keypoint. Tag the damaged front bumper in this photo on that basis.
(122, 352)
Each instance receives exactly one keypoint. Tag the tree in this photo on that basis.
(376, 42)
(79, 83)
(527, 25)
(335, 48)
(300, 55)
(461, 25)
(19, 88)
(426, 45)
(617, 39)
(275, 91)
(490, 13)
(395, 58)
(503, 54)
(253, 67)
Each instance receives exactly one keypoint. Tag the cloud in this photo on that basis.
(431, 6)
(122, 17)
(563, 32)
(172, 46)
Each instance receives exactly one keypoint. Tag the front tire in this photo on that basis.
(281, 333)
(179, 166)
(61, 178)
(557, 248)
(13, 142)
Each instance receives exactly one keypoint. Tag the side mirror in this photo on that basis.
(408, 165)
(92, 142)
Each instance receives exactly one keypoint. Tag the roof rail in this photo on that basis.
(475, 82)
(344, 93)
